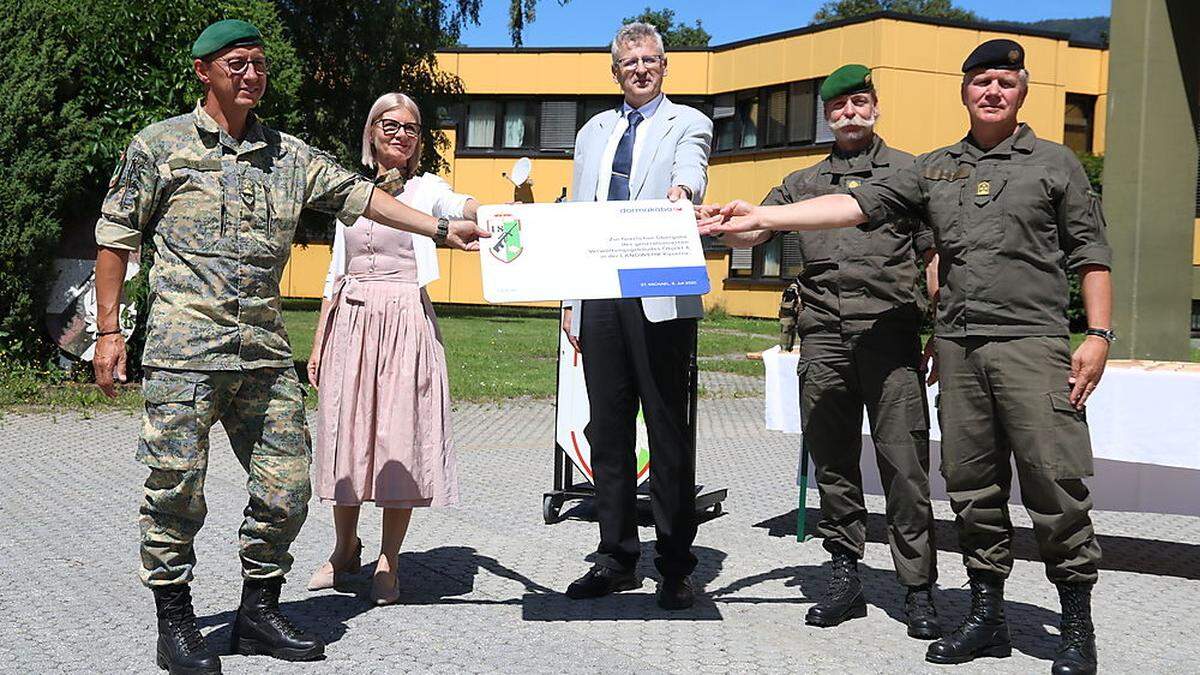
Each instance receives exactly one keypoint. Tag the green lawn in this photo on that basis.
(493, 353)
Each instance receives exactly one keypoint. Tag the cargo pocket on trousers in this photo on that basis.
(1070, 442)
(169, 428)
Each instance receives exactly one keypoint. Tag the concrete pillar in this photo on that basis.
(1150, 173)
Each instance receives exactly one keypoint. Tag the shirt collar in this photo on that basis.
(1022, 140)
(865, 159)
(646, 110)
(254, 139)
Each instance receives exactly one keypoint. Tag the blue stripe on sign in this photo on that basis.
(651, 281)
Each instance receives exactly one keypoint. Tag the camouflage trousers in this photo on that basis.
(262, 411)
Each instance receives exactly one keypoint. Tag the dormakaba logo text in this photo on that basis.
(505, 229)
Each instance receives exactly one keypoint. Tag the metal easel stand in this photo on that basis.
(802, 503)
(566, 489)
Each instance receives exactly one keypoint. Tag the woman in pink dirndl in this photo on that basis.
(378, 363)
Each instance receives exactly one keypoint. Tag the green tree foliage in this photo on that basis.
(77, 79)
(833, 10)
(353, 51)
(673, 34)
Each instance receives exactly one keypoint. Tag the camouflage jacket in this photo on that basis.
(221, 214)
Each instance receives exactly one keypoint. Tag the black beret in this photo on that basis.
(1001, 54)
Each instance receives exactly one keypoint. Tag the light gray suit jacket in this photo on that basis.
(675, 153)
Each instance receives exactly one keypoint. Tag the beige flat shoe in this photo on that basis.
(385, 589)
(327, 576)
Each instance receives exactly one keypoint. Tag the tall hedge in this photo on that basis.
(77, 80)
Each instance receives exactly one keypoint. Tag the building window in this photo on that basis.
(481, 124)
(802, 111)
(1195, 318)
(520, 125)
(776, 260)
(1078, 119)
(527, 125)
(770, 117)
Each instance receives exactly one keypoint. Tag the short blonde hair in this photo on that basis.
(388, 102)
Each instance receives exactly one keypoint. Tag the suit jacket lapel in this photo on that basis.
(595, 150)
(660, 125)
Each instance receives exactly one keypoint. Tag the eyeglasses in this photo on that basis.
(242, 66)
(391, 127)
(650, 61)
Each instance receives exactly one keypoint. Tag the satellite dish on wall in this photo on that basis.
(520, 171)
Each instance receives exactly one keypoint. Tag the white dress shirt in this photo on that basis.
(426, 193)
(610, 150)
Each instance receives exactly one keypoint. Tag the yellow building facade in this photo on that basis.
(761, 94)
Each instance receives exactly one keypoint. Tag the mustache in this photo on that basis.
(856, 121)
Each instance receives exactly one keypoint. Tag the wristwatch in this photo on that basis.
(1105, 333)
(443, 231)
(688, 191)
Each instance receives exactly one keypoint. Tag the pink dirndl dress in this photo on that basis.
(383, 433)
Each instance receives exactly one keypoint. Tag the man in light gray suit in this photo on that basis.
(649, 148)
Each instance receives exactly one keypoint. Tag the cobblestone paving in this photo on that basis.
(482, 582)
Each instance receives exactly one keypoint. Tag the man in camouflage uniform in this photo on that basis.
(858, 326)
(219, 194)
(1011, 214)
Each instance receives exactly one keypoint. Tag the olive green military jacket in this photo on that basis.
(221, 214)
(856, 280)
(1008, 223)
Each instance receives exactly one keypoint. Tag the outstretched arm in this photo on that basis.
(386, 210)
(819, 213)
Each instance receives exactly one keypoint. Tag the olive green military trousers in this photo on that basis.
(1002, 399)
(839, 375)
(262, 411)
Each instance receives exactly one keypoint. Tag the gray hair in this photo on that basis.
(636, 32)
(385, 103)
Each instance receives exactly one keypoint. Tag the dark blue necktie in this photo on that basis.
(618, 185)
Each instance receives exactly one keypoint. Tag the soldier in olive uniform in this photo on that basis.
(859, 324)
(218, 194)
(1011, 214)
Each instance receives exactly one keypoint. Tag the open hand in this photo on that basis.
(465, 235)
(736, 216)
(1087, 367)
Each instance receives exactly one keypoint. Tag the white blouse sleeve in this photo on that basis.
(446, 202)
(337, 262)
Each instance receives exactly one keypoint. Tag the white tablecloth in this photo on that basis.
(1144, 421)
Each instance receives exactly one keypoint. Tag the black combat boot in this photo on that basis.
(984, 632)
(1076, 653)
(843, 599)
(181, 649)
(921, 614)
(260, 628)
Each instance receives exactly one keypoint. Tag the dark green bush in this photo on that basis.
(77, 80)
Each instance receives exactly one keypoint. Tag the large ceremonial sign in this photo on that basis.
(571, 415)
(591, 250)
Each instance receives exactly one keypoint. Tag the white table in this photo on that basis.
(1145, 426)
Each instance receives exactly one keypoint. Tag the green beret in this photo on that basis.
(849, 79)
(227, 33)
(1000, 54)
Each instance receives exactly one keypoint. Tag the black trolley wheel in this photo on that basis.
(550, 509)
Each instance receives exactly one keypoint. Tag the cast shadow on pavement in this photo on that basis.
(434, 577)
(637, 605)
(1123, 554)
(1029, 623)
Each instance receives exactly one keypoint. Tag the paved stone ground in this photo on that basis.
(483, 581)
